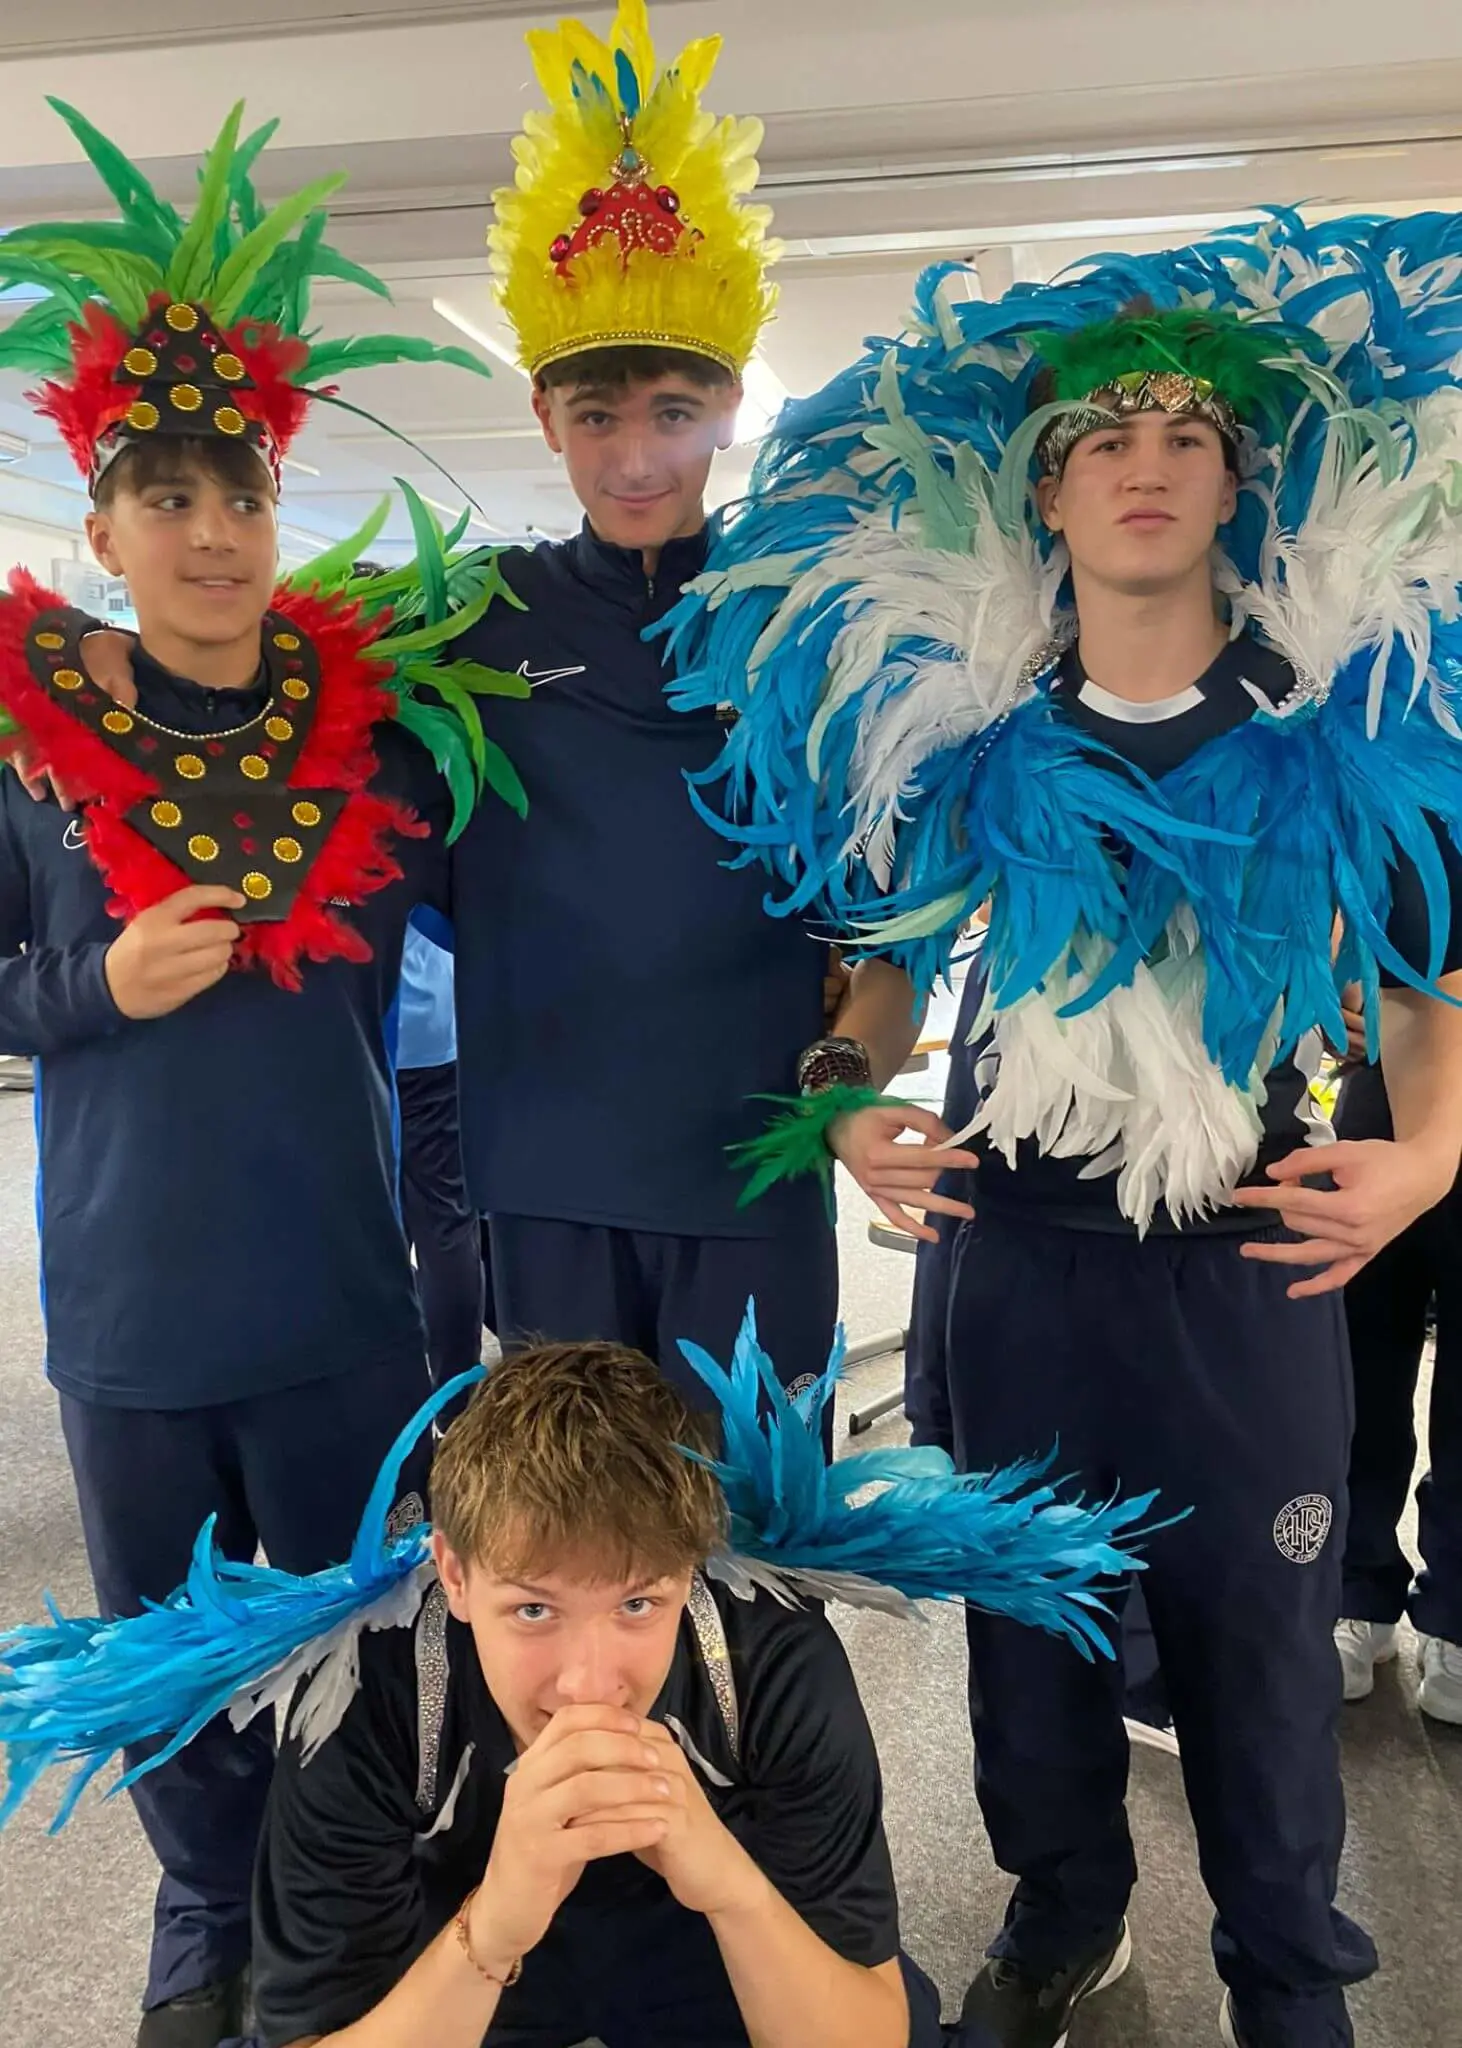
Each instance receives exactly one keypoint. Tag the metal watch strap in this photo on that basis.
(828, 1062)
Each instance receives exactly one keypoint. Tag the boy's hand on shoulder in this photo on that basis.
(173, 952)
(699, 1858)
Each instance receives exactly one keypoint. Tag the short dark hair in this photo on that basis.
(618, 368)
(167, 458)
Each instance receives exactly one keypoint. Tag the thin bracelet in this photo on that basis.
(464, 1940)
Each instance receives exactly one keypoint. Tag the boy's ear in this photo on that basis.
(99, 533)
(453, 1575)
(543, 413)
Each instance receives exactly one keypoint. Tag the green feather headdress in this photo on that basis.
(1188, 361)
(159, 323)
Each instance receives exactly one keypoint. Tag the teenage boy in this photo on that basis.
(231, 1325)
(1164, 815)
(660, 1803)
(622, 997)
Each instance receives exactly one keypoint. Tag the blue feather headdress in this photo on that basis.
(885, 613)
(880, 1529)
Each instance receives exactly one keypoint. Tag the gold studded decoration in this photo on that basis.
(288, 641)
(202, 847)
(182, 319)
(68, 678)
(118, 721)
(229, 420)
(186, 397)
(51, 641)
(288, 850)
(228, 366)
(143, 415)
(166, 814)
(296, 687)
(190, 767)
(257, 886)
(139, 362)
(279, 728)
(306, 813)
(255, 767)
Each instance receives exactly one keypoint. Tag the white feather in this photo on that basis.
(334, 1659)
(1126, 1086)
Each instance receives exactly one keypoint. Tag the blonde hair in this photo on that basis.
(570, 1454)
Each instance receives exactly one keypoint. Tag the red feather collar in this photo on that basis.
(355, 858)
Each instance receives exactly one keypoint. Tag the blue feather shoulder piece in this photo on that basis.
(885, 1529)
(881, 1529)
(236, 1638)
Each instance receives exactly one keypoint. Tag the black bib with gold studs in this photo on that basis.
(225, 812)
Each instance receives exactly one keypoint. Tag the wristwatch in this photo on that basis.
(828, 1062)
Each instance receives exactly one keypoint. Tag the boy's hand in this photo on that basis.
(699, 1858)
(590, 1786)
(163, 959)
(891, 1173)
(108, 658)
(1381, 1186)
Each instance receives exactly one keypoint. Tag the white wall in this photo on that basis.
(30, 545)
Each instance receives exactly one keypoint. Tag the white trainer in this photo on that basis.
(1440, 1692)
(1361, 1646)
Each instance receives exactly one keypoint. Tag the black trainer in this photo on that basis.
(199, 2019)
(1024, 2011)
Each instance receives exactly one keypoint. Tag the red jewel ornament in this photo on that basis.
(560, 247)
(591, 202)
(184, 363)
(147, 744)
(242, 820)
(158, 340)
(269, 748)
(247, 845)
(668, 197)
(214, 747)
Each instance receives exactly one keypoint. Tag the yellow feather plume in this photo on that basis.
(709, 293)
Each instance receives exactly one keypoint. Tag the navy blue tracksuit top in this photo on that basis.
(622, 995)
(217, 1199)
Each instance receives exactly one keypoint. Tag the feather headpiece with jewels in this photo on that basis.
(883, 1529)
(628, 224)
(153, 324)
(1185, 361)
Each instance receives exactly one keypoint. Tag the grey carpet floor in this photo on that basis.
(75, 1911)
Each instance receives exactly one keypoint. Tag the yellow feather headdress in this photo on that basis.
(628, 223)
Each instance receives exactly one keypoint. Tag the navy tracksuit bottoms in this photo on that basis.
(1172, 1363)
(290, 1471)
(566, 1282)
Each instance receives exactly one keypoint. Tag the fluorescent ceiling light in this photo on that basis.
(766, 394)
(13, 447)
(304, 468)
(495, 347)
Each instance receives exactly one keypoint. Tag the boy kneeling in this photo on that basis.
(589, 1793)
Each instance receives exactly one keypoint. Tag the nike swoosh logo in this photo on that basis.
(535, 676)
(73, 838)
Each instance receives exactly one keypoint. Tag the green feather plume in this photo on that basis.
(236, 257)
(1254, 364)
(432, 601)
